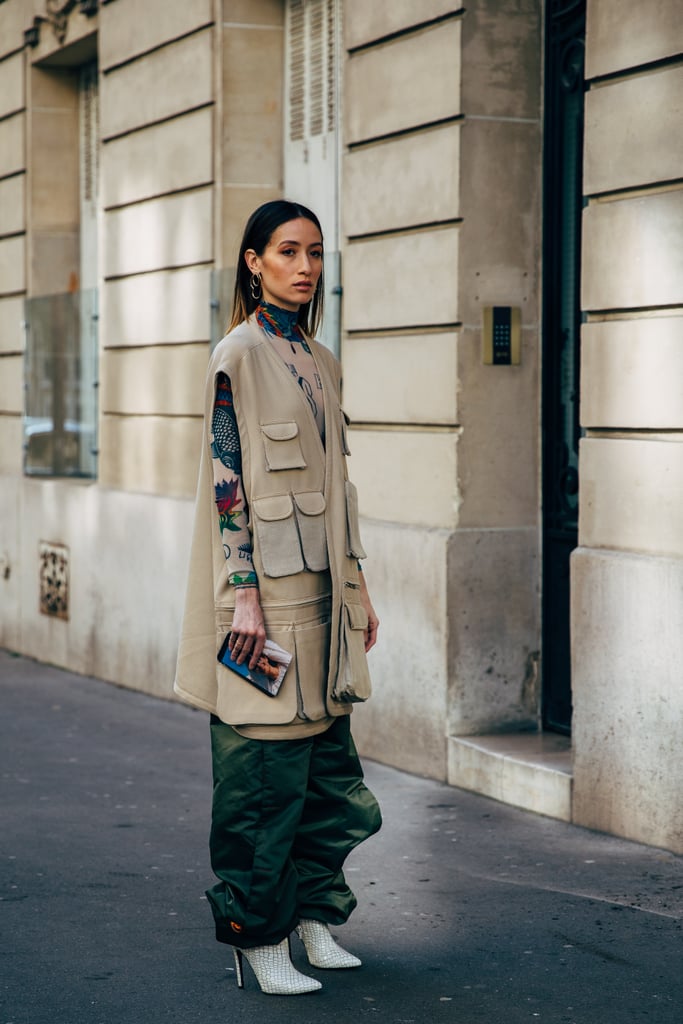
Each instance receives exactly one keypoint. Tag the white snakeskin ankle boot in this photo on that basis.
(321, 949)
(274, 970)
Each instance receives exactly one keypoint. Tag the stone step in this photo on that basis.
(532, 770)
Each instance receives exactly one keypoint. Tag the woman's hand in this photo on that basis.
(373, 621)
(248, 633)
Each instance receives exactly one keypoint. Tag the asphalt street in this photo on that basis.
(469, 911)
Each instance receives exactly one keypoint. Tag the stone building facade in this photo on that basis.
(501, 187)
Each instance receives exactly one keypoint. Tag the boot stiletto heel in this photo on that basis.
(274, 970)
(238, 967)
(321, 949)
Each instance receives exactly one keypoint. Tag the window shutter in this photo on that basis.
(89, 132)
(89, 171)
(311, 68)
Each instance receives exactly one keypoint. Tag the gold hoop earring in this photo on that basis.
(255, 286)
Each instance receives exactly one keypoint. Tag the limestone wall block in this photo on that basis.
(420, 74)
(252, 12)
(251, 138)
(237, 204)
(499, 448)
(502, 47)
(53, 191)
(626, 143)
(406, 476)
(12, 142)
(622, 34)
(633, 252)
(501, 208)
(12, 384)
(172, 231)
(418, 375)
(13, 264)
(162, 380)
(150, 454)
(627, 621)
(364, 22)
(404, 722)
(124, 33)
(406, 280)
(11, 319)
(53, 88)
(402, 182)
(133, 170)
(12, 204)
(151, 309)
(632, 373)
(15, 16)
(11, 450)
(10, 484)
(129, 641)
(12, 85)
(494, 622)
(168, 81)
(54, 262)
(631, 495)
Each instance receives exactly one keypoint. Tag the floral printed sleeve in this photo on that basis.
(226, 454)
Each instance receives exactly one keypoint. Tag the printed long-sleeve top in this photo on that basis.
(288, 341)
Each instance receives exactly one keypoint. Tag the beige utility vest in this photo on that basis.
(303, 519)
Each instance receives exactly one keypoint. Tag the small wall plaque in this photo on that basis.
(54, 579)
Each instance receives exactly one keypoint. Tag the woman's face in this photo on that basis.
(290, 265)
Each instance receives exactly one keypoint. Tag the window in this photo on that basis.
(60, 369)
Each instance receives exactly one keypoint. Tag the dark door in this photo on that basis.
(562, 176)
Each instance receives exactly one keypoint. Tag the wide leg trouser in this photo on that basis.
(286, 814)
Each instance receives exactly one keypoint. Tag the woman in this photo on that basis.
(275, 556)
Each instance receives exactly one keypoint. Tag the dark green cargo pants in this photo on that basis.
(286, 814)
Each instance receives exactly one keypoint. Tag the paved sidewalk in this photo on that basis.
(469, 911)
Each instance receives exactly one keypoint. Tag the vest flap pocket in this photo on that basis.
(358, 617)
(271, 509)
(310, 517)
(282, 446)
(280, 431)
(311, 503)
(276, 535)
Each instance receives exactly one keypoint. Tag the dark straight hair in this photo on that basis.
(257, 234)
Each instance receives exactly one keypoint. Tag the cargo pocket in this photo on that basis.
(282, 446)
(310, 517)
(353, 679)
(312, 643)
(354, 546)
(277, 535)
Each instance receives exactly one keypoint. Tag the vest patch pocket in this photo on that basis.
(354, 547)
(277, 535)
(310, 517)
(282, 446)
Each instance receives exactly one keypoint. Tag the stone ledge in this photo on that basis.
(529, 770)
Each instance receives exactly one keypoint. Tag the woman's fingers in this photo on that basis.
(247, 644)
(248, 633)
(371, 633)
(257, 650)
